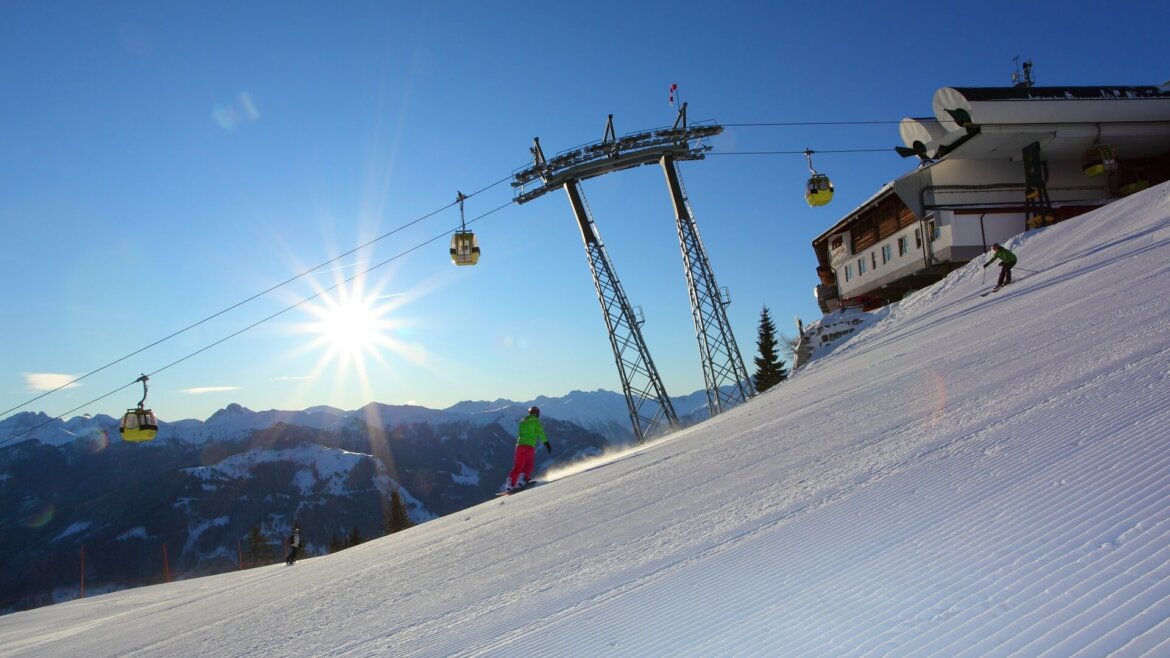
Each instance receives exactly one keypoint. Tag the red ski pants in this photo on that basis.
(524, 463)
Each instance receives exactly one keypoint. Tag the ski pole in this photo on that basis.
(1024, 269)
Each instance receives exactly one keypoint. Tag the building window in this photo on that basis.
(934, 230)
(917, 238)
(903, 246)
(873, 257)
(848, 272)
(861, 266)
(887, 253)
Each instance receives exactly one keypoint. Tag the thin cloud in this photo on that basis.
(48, 381)
(239, 111)
(293, 378)
(200, 390)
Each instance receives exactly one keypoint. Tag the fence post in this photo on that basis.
(166, 564)
(82, 571)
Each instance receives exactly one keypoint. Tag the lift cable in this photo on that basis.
(801, 152)
(808, 123)
(249, 299)
(228, 337)
(429, 215)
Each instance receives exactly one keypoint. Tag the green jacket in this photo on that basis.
(530, 432)
(1006, 256)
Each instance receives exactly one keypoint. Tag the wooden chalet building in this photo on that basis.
(993, 162)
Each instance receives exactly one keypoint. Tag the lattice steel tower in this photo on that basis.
(724, 374)
(726, 379)
(646, 397)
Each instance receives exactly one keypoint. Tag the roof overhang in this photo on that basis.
(997, 122)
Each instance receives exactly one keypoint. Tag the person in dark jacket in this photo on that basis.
(294, 544)
(1007, 261)
(530, 433)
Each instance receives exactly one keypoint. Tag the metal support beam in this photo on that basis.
(681, 141)
(651, 410)
(1036, 201)
(726, 378)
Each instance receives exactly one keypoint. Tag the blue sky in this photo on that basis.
(166, 161)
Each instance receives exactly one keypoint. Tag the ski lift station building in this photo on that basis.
(993, 162)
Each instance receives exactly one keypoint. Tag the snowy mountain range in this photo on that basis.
(200, 487)
(600, 411)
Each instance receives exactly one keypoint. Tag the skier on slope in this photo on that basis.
(529, 433)
(294, 544)
(1007, 262)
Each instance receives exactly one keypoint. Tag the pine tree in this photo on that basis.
(396, 517)
(354, 538)
(260, 551)
(335, 544)
(770, 369)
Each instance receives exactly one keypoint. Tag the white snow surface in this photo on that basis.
(970, 476)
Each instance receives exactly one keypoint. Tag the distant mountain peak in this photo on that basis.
(230, 412)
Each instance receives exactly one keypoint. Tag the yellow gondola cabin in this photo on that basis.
(464, 248)
(819, 190)
(139, 424)
(1099, 159)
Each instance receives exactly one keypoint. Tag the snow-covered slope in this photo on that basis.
(970, 476)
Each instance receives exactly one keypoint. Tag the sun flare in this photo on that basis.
(356, 337)
(352, 326)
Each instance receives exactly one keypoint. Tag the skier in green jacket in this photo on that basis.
(530, 432)
(1007, 260)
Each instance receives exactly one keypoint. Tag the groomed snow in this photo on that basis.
(971, 476)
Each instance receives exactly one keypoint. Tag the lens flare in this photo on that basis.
(94, 441)
(239, 111)
(38, 517)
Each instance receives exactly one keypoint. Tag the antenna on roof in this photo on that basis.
(1022, 79)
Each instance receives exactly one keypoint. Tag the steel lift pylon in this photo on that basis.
(726, 379)
(724, 374)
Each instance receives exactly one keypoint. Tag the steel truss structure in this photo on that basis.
(726, 379)
(724, 374)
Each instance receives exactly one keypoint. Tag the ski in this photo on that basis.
(995, 289)
(527, 485)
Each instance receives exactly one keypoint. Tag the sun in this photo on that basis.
(352, 325)
(356, 336)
